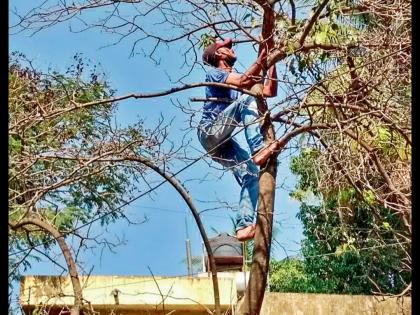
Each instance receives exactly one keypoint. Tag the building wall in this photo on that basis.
(126, 295)
(190, 296)
(333, 304)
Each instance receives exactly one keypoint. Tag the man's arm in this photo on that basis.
(270, 84)
(247, 79)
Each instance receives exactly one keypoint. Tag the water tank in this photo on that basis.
(227, 251)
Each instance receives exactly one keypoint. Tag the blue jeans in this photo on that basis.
(216, 138)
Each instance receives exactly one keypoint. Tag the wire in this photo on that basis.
(177, 211)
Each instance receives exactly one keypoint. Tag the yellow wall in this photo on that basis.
(190, 296)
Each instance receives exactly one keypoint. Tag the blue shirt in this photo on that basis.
(212, 109)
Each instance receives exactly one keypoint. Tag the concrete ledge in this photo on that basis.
(130, 293)
(333, 304)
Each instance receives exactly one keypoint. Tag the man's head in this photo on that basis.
(220, 50)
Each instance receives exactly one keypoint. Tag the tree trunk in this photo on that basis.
(254, 294)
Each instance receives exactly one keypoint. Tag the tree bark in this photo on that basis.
(254, 294)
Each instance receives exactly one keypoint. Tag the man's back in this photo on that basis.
(211, 109)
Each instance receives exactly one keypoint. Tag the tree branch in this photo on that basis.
(311, 21)
(71, 265)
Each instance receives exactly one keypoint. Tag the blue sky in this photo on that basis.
(160, 242)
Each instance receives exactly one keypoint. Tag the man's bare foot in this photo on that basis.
(262, 155)
(246, 233)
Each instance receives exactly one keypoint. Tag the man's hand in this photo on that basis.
(252, 74)
(262, 55)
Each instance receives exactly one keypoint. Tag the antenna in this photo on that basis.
(188, 249)
(186, 228)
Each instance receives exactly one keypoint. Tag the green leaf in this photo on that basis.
(320, 37)
(205, 40)
(324, 56)
(340, 250)
(290, 48)
(402, 153)
(246, 16)
(292, 68)
(302, 63)
(369, 197)
(15, 145)
(253, 22)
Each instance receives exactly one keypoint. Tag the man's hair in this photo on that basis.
(209, 53)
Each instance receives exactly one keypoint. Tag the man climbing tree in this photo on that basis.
(347, 75)
(224, 110)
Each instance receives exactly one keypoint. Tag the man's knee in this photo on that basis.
(251, 176)
(248, 100)
(250, 103)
